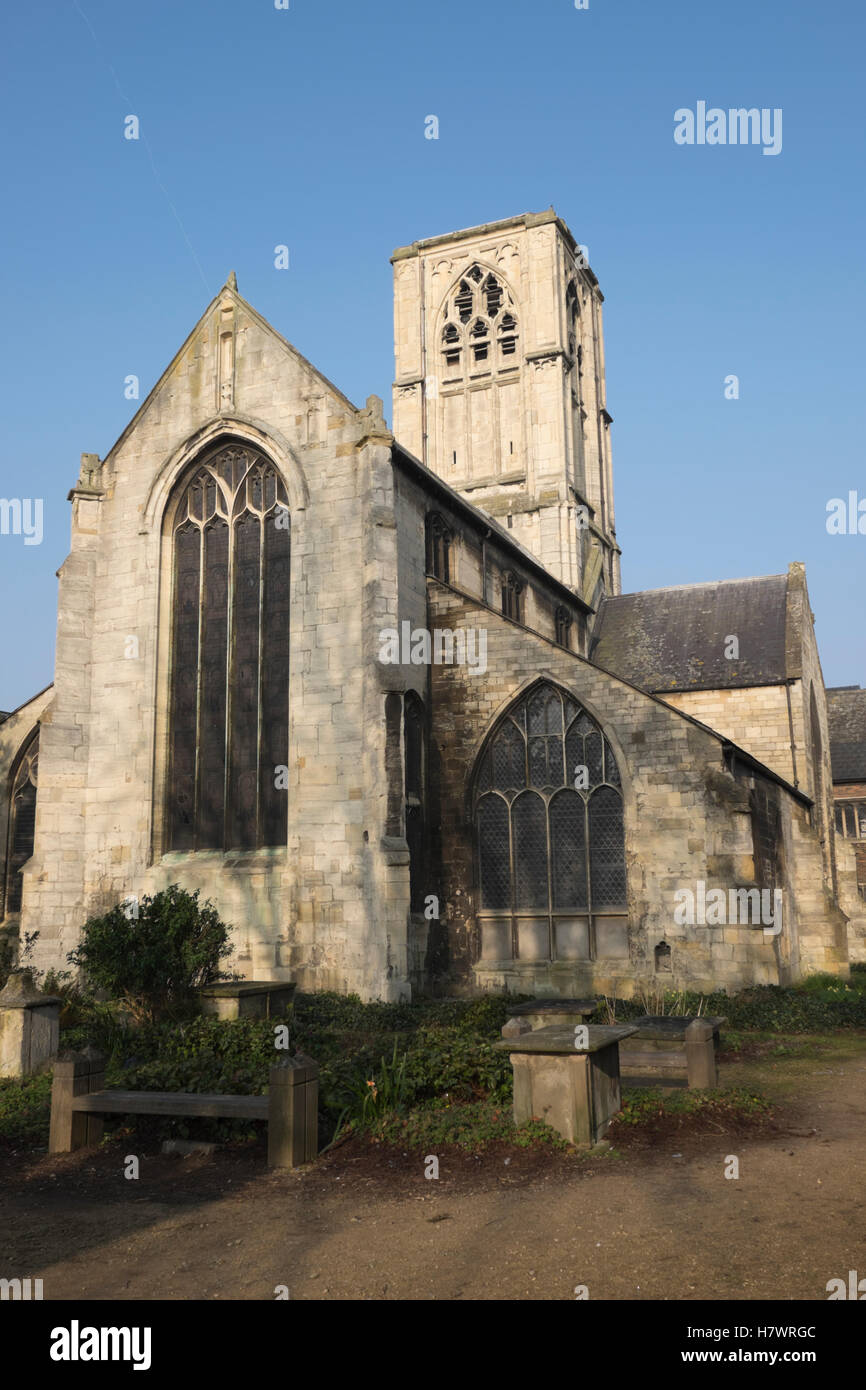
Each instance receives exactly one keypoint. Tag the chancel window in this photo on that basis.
(229, 716)
(22, 823)
(438, 548)
(549, 832)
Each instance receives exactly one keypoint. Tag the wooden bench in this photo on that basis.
(79, 1103)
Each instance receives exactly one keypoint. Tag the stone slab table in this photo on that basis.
(575, 1091)
(674, 1049)
(247, 998)
(546, 1013)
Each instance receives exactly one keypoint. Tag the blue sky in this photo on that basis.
(305, 127)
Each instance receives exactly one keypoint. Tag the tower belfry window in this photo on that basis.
(480, 314)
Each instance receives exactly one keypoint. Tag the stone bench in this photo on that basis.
(546, 1013)
(79, 1104)
(577, 1092)
(673, 1049)
(247, 999)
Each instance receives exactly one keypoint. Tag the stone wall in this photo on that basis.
(323, 909)
(688, 819)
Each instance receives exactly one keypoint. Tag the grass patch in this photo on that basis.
(647, 1107)
(473, 1125)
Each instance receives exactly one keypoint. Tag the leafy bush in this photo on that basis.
(25, 1109)
(153, 962)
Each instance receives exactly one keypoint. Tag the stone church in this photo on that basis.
(379, 696)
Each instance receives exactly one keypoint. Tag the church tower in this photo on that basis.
(500, 388)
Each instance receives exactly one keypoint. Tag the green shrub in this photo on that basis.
(471, 1126)
(25, 1109)
(154, 962)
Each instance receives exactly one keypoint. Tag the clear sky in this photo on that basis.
(305, 127)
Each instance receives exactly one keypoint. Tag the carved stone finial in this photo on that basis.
(232, 281)
(91, 468)
(372, 421)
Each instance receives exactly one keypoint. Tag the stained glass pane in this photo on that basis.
(545, 762)
(23, 812)
(184, 694)
(592, 752)
(529, 821)
(509, 753)
(211, 829)
(244, 775)
(611, 771)
(485, 773)
(607, 850)
(493, 853)
(574, 755)
(275, 682)
(545, 712)
(568, 850)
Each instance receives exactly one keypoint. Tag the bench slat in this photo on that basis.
(173, 1103)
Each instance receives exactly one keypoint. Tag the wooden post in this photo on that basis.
(700, 1055)
(293, 1112)
(95, 1126)
(68, 1127)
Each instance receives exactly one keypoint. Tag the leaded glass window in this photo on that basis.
(229, 717)
(22, 823)
(549, 835)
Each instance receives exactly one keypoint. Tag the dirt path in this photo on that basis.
(651, 1220)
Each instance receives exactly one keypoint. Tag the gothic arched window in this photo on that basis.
(478, 313)
(229, 700)
(22, 823)
(549, 835)
(438, 548)
(562, 621)
(512, 596)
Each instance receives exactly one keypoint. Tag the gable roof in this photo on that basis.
(675, 639)
(846, 717)
(228, 291)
